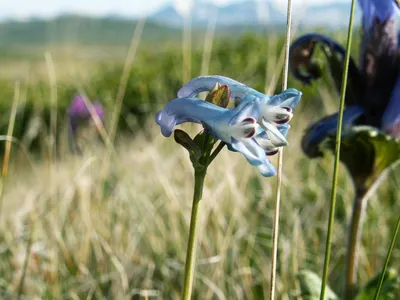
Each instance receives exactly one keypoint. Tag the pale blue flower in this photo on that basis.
(205, 83)
(255, 127)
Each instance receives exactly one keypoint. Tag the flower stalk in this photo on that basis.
(199, 177)
(354, 242)
(200, 171)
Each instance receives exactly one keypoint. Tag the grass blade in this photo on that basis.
(280, 161)
(337, 154)
(389, 254)
(7, 151)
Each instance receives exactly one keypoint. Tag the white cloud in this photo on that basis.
(183, 6)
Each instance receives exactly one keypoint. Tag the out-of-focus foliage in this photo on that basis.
(155, 77)
(310, 286)
(366, 152)
(390, 288)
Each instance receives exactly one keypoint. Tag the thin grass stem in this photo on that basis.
(130, 58)
(208, 43)
(337, 154)
(53, 113)
(186, 47)
(7, 151)
(389, 254)
(26, 262)
(217, 150)
(280, 161)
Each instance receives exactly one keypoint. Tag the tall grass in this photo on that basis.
(93, 237)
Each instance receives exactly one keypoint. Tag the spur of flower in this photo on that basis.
(244, 119)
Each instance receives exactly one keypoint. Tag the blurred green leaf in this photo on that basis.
(310, 286)
(366, 152)
(390, 288)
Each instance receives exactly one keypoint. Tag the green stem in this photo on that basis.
(354, 242)
(389, 254)
(337, 154)
(191, 249)
(220, 146)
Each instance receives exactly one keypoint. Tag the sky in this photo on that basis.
(22, 9)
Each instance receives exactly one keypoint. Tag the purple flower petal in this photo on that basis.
(318, 131)
(381, 9)
(391, 116)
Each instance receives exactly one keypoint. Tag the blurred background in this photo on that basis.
(101, 211)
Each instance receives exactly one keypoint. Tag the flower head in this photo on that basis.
(372, 94)
(256, 126)
(79, 116)
(78, 112)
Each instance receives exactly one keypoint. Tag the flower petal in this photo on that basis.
(302, 65)
(391, 116)
(255, 155)
(378, 50)
(381, 9)
(249, 107)
(205, 83)
(306, 69)
(274, 134)
(318, 131)
(264, 141)
(288, 98)
(183, 110)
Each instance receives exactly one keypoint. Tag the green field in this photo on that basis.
(113, 222)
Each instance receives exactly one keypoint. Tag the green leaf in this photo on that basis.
(205, 141)
(183, 139)
(390, 288)
(366, 152)
(310, 286)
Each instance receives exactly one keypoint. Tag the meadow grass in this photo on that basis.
(72, 229)
(125, 233)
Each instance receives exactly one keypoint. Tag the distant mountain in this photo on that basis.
(255, 12)
(74, 29)
(330, 15)
(241, 13)
(167, 15)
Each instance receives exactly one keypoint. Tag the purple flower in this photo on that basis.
(373, 87)
(78, 112)
(78, 116)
